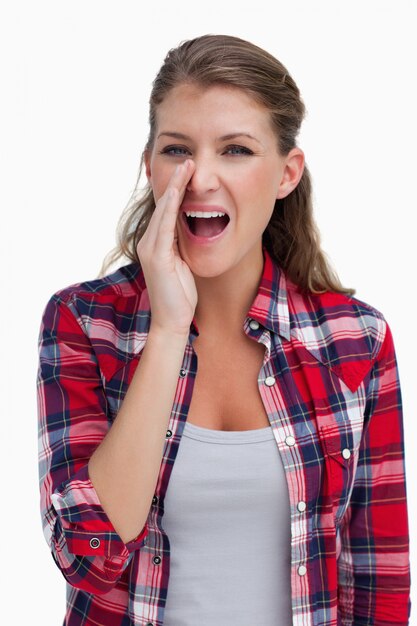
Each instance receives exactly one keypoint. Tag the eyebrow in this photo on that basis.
(222, 138)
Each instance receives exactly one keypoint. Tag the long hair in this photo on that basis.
(291, 237)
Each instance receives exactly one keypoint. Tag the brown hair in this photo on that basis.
(291, 237)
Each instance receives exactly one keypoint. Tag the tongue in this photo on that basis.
(209, 226)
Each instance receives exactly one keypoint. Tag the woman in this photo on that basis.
(228, 328)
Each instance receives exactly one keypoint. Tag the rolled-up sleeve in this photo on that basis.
(373, 566)
(72, 421)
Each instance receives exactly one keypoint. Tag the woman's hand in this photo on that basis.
(171, 286)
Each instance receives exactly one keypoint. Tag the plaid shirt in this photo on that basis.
(329, 383)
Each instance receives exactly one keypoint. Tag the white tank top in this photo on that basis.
(227, 518)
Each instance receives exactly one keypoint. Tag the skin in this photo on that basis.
(244, 175)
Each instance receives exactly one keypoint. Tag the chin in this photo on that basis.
(204, 263)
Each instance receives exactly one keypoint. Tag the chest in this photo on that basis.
(226, 394)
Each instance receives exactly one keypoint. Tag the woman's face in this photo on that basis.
(242, 174)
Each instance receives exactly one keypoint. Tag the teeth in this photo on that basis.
(201, 214)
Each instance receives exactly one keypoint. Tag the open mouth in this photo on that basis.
(206, 226)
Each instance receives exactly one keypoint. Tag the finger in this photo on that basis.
(180, 177)
(175, 246)
(166, 231)
(179, 185)
(169, 210)
(175, 182)
(185, 175)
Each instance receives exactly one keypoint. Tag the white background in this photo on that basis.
(76, 78)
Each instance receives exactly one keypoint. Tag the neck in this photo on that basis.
(224, 301)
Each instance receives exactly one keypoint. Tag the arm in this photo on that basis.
(72, 421)
(373, 566)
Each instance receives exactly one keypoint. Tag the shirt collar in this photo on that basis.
(270, 306)
(281, 308)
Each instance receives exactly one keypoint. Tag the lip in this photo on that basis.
(203, 241)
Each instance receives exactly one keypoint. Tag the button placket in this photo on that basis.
(290, 442)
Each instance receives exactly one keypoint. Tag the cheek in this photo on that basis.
(260, 176)
(159, 180)
(259, 186)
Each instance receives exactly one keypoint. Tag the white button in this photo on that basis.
(270, 380)
(346, 453)
(302, 570)
(301, 506)
(290, 441)
(254, 324)
(95, 543)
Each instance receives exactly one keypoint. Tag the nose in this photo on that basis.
(205, 177)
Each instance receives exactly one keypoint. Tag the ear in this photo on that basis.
(293, 171)
(147, 162)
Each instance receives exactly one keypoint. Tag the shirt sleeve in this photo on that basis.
(373, 566)
(72, 421)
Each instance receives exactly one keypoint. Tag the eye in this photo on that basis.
(233, 150)
(239, 150)
(174, 150)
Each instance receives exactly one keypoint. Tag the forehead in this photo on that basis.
(215, 108)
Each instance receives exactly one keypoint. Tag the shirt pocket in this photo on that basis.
(340, 453)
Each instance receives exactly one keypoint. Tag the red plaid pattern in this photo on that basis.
(330, 386)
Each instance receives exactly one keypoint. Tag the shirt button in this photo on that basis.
(94, 542)
(183, 373)
(346, 453)
(169, 433)
(270, 380)
(302, 570)
(301, 506)
(254, 324)
(156, 560)
(290, 441)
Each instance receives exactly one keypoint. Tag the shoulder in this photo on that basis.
(112, 300)
(342, 331)
(110, 315)
(127, 281)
